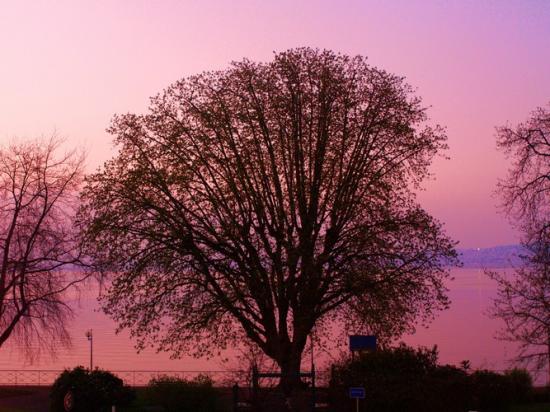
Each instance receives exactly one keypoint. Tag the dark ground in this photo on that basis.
(24, 398)
(36, 399)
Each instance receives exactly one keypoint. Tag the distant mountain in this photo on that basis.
(493, 257)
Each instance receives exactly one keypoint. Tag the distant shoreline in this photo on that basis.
(498, 257)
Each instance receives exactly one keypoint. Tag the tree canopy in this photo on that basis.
(265, 199)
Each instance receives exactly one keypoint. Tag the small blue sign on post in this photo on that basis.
(357, 393)
(362, 342)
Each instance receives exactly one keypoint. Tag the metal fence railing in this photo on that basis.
(130, 377)
(28, 377)
(227, 378)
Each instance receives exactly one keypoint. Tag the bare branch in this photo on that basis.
(38, 243)
(523, 302)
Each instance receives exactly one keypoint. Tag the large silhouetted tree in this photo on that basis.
(524, 300)
(264, 199)
(38, 240)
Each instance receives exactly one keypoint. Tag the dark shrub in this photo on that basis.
(491, 391)
(407, 379)
(521, 385)
(496, 392)
(541, 394)
(448, 388)
(401, 379)
(180, 395)
(92, 391)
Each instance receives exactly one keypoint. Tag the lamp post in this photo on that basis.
(90, 337)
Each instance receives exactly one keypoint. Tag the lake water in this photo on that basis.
(462, 332)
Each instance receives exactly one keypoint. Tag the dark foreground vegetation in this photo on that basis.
(174, 395)
(99, 390)
(407, 379)
(396, 379)
(91, 391)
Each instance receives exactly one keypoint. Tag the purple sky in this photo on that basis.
(68, 66)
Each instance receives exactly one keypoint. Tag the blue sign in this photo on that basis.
(357, 393)
(362, 342)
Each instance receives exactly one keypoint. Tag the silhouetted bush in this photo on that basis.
(521, 385)
(180, 395)
(407, 379)
(495, 392)
(541, 394)
(448, 388)
(92, 391)
(400, 379)
(491, 391)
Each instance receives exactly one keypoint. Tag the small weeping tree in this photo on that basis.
(39, 188)
(265, 199)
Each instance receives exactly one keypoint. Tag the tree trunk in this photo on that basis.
(290, 382)
(290, 374)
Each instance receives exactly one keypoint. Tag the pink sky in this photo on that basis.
(68, 66)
